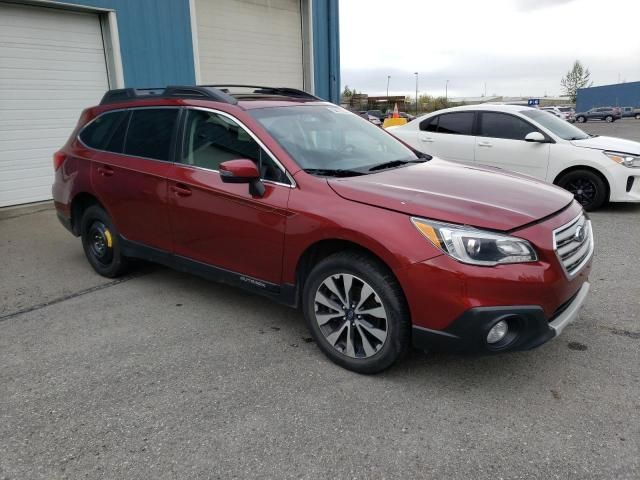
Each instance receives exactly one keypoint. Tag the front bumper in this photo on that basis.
(624, 184)
(528, 327)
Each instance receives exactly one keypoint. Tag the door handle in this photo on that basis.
(426, 139)
(181, 190)
(485, 144)
(105, 171)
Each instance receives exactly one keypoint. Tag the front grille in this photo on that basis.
(573, 243)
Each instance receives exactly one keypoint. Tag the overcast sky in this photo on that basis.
(518, 47)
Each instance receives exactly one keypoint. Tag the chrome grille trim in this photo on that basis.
(572, 252)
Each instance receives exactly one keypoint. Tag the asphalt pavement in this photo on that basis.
(628, 128)
(162, 375)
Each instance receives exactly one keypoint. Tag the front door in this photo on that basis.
(500, 143)
(218, 223)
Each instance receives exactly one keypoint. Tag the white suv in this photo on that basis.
(533, 142)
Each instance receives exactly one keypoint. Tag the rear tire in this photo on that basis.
(588, 188)
(608, 119)
(637, 116)
(101, 243)
(356, 312)
(581, 119)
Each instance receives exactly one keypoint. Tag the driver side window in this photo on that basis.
(210, 139)
(500, 125)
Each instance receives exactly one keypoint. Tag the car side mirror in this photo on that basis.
(535, 137)
(242, 171)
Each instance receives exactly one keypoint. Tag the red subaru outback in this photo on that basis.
(276, 191)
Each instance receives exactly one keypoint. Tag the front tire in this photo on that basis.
(608, 119)
(101, 243)
(637, 116)
(581, 119)
(588, 188)
(356, 312)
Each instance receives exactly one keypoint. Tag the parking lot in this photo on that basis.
(628, 128)
(164, 375)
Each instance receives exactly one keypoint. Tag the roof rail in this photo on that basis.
(172, 91)
(261, 90)
(124, 94)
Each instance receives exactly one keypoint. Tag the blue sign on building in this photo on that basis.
(534, 102)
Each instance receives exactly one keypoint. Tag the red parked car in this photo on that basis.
(276, 191)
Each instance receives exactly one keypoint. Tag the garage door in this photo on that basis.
(52, 65)
(255, 42)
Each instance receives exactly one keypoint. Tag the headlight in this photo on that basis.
(474, 246)
(626, 159)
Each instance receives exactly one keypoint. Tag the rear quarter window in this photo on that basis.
(106, 132)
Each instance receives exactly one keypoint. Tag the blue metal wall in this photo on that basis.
(155, 40)
(157, 50)
(326, 49)
(618, 95)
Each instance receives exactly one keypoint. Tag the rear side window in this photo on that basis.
(106, 132)
(150, 133)
(429, 125)
(459, 123)
(499, 125)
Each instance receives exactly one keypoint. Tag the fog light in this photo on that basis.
(497, 332)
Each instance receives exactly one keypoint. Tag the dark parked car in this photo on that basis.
(406, 115)
(292, 197)
(608, 114)
(376, 113)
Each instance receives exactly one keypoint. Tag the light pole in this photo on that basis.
(416, 74)
(446, 93)
(388, 78)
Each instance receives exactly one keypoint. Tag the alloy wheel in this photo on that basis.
(583, 189)
(351, 315)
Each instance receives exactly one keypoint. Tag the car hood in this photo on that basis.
(609, 143)
(456, 193)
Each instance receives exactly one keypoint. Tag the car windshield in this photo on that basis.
(555, 125)
(323, 139)
(565, 109)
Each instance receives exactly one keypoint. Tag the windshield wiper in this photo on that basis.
(396, 163)
(329, 172)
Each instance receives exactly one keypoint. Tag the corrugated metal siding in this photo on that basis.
(155, 40)
(52, 65)
(257, 42)
(157, 49)
(326, 49)
(618, 95)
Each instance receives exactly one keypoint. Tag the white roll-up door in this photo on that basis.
(256, 42)
(52, 65)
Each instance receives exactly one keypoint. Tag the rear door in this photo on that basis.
(501, 143)
(130, 175)
(449, 136)
(218, 223)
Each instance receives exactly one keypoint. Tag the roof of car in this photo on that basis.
(488, 107)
